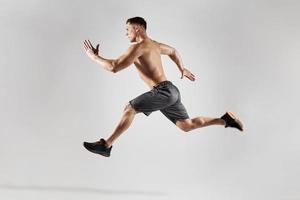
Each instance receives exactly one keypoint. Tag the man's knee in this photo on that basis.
(129, 109)
(185, 125)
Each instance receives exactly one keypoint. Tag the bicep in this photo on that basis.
(128, 57)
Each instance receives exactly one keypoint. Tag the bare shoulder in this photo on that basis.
(143, 47)
(164, 48)
(135, 48)
(156, 43)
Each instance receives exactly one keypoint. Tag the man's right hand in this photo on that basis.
(89, 49)
(185, 72)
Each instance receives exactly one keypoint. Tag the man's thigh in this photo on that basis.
(175, 112)
(151, 101)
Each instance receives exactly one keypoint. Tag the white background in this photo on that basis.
(245, 55)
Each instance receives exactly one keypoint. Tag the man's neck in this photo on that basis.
(142, 37)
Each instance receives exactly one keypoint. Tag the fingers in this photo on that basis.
(188, 74)
(190, 77)
(90, 44)
(193, 76)
(86, 45)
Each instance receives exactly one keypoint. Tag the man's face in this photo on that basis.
(131, 32)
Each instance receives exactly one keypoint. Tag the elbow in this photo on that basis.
(113, 67)
(174, 52)
(117, 66)
(113, 70)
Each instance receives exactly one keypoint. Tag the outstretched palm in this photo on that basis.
(89, 49)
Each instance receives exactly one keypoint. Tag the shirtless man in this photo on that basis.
(145, 54)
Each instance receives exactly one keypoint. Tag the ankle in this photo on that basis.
(108, 144)
(222, 121)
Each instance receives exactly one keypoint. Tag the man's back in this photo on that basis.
(149, 64)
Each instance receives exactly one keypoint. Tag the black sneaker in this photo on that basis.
(98, 147)
(232, 121)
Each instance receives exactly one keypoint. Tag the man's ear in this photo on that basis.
(137, 28)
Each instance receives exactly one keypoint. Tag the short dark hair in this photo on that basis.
(137, 20)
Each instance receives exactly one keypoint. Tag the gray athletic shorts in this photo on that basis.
(164, 97)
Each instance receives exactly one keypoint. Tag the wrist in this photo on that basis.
(93, 57)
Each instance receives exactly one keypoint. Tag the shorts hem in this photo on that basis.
(137, 110)
(175, 120)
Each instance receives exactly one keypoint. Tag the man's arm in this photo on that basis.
(114, 65)
(174, 55)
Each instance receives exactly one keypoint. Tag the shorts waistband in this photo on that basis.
(163, 83)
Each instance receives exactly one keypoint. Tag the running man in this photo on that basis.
(145, 54)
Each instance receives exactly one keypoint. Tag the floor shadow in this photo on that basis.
(80, 190)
